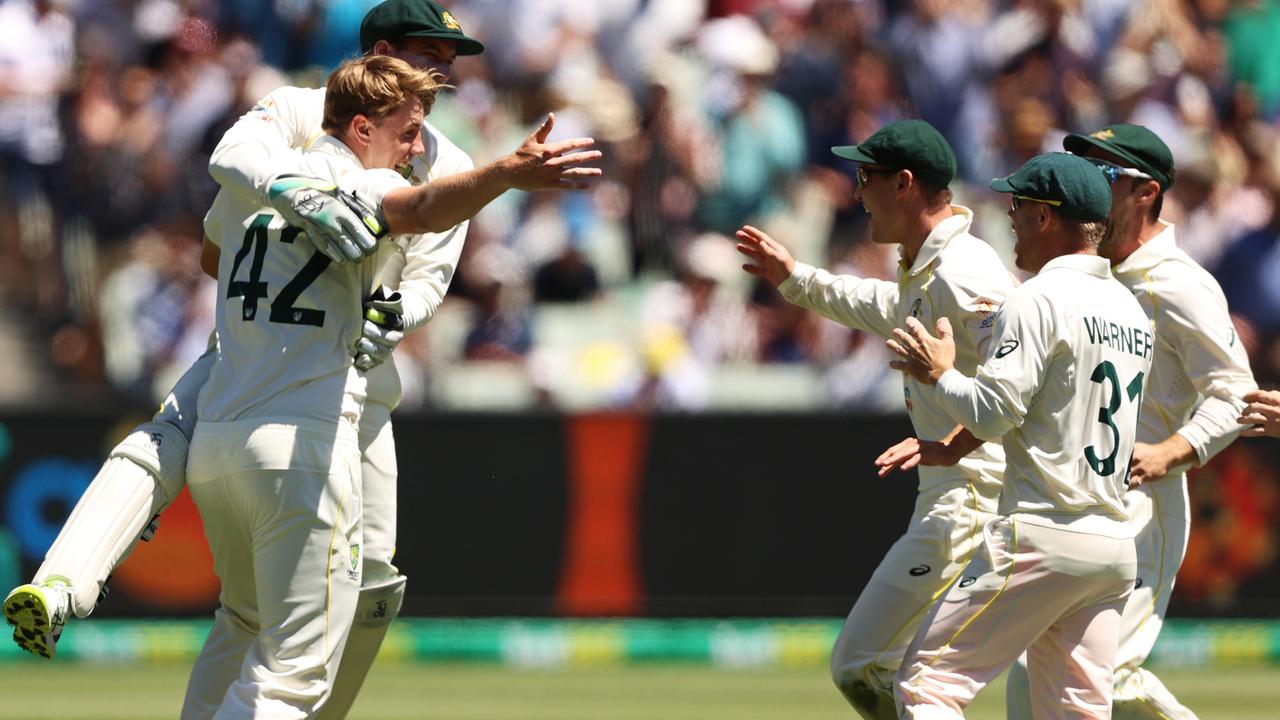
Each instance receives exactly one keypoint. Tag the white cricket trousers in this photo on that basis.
(944, 532)
(281, 506)
(1160, 514)
(1054, 593)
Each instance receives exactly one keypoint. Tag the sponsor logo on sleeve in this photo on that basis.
(919, 570)
(1006, 347)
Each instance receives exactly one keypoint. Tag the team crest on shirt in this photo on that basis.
(915, 308)
(449, 21)
(354, 552)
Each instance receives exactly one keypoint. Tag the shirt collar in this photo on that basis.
(1150, 253)
(330, 145)
(1088, 264)
(959, 222)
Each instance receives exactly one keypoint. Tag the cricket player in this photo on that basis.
(274, 465)
(1062, 387)
(945, 272)
(1195, 391)
(1262, 414)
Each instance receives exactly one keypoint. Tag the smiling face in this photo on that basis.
(877, 190)
(393, 140)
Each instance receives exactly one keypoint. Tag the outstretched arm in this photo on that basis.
(913, 451)
(535, 165)
(860, 303)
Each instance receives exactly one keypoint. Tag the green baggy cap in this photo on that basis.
(1140, 147)
(395, 19)
(913, 145)
(1071, 184)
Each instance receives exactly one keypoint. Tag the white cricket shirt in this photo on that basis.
(267, 141)
(1063, 385)
(956, 276)
(287, 317)
(1200, 370)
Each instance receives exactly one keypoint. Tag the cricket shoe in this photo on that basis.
(37, 614)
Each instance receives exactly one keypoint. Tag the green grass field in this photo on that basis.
(409, 691)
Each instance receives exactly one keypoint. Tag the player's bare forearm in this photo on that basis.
(941, 453)
(535, 165)
(960, 442)
(441, 204)
(1153, 461)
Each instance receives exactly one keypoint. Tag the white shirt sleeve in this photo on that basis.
(996, 399)
(1201, 332)
(429, 260)
(861, 303)
(268, 141)
(427, 269)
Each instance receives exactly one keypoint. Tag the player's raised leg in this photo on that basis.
(382, 586)
(943, 534)
(141, 476)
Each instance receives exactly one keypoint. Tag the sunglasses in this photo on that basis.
(1114, 172)
(864, 173)
(1015, 201)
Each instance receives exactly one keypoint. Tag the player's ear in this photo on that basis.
(361, 128)
(382, 47)
(1148, 190)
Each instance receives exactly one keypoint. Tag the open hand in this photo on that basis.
(1262, 414)
(537, 165)
(772, 261)
(923, 356)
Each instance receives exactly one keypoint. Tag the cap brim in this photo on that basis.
(463, 45)
(852, 152)
(1002, 185)
(1077, 144)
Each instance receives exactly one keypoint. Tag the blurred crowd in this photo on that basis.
(712, 114)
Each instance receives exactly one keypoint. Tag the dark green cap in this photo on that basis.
(907, 145)
(1074, 186)
(395, 19)
(1138, 146)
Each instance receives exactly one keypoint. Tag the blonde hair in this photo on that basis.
(375, 86)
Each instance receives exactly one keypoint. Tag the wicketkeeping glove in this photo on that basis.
(382, 331)
(341, 225)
